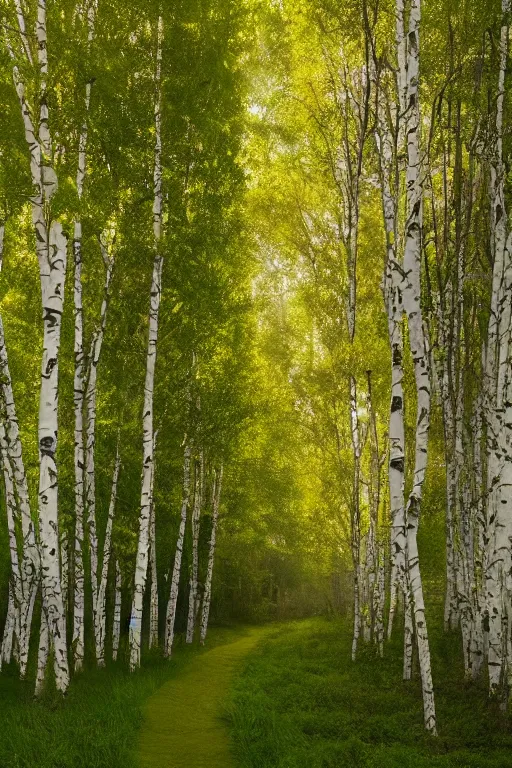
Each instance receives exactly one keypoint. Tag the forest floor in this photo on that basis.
(97, 724)
(281, 696)
(183, 725)
(301, 702)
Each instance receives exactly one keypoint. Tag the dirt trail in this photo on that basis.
(183, 727)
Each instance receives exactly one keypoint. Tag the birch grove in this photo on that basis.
(331, 201)
(47, 572)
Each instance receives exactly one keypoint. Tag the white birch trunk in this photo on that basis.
(408, 630)
(9, 629)
(412, 305)
(380, 598)
(356, 519)
(392, 289)
(217, 489)
(176, 571)
(90, 443)
(153, 607)
(101, 601)
(196, 519)
(53, 272)
(78, 641)
(51, 245)
(477, 640)
(497, 414)
(42, 653)
(116, 627)
(30, 554)
(141, 566)
(15, 583)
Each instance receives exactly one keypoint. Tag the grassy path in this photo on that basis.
(183, 726)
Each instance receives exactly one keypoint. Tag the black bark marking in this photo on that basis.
(396, 404)
(397, 464)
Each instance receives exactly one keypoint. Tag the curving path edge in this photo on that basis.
(183, 726)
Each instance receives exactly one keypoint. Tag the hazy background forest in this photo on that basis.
(272, 245)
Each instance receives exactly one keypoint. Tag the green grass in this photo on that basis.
(301, 703)
(96, 725)
(183, 720)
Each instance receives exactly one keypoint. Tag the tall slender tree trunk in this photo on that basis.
(53, 272)
(153, 609)
(51, 249)
(393, 300)
(170, 617)
(356, 515)
(101, 602)
(12, 629)
(141, 565)
(196, 519)
(116, 627)
(90, 396)
(78, 640)
(9, 630)
(217, 489)
(30, 553)
(412, 306)
(496, 403)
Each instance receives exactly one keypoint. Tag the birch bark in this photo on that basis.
(12, 629)
(141, 566)
(153, 610)
(79, 384)
(90, 433)
(101, 612)
(176, 571)
(9, 629)
(496, 400)
(30, 554)
(412, 306)
(393, 300)
(217, 489)
(51, 247)
(356, 516)
(196, 519)
(53, 272)
(116, 627)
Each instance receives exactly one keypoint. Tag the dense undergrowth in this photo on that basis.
(301, 703)
(96, 724)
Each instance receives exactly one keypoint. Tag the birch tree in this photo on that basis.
(30, 553)
(89, 402)
(51, 249)
(170, 617)
(412, 307)
(141, 565)
(101, 615)
(79, 381)
(153, 603)
(205, 612)
(196, 519)
(496, 394)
